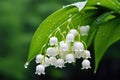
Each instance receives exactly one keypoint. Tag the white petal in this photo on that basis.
(40, 69)
(84, 30)
(78, 46)
(52, 51)
(52, 60)
(60, 63)
(78, 54)
(86, 54)
(63, 46)
(70, 37)
(39, 58)
(74, 32)
(46, 62)
(86, 64)
(53, 41)
(70, 58)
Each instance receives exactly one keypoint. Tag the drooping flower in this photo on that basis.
(78, 46)
(86, 54)
(63, 46)
(53, 41)
(40, 69)
(52, 60)
(70, 58)
(60, 63)
(52, 51)
(85, 64)
(74, 32)
(84, 30)
(78, 54)
(46, 62)
(39, 58)
(70, 37)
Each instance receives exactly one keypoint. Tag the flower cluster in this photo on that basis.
(66, 51)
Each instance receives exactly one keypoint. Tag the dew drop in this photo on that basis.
(63, 6)
(98, 3)
(26, 64)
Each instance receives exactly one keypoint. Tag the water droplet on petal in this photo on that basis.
(26, 64)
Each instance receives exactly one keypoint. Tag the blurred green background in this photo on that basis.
(18, 21)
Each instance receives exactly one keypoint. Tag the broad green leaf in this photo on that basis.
(58, 19)
(108, 33)
(47, 27)
(95, 24)
(113, 5)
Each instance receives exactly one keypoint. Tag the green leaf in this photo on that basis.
(47, 27)
(58, 19)
(94, 26)
(113, 5)
(108, 33)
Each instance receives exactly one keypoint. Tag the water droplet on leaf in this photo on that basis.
(26, 64)
(98, 3)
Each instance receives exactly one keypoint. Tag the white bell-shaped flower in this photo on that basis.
(74, 32)
(46, 62)
(53, 41)
(70, 37)
(60, 63)
(52, 51)
(39, 58)
(85, 64)
(86, 54)
(78, 54)
(63, 46)
(84, 30)
(52, 60)
(40, 69)
(70, 58)
(78, 46)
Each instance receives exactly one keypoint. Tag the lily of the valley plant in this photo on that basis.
(66, 35)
